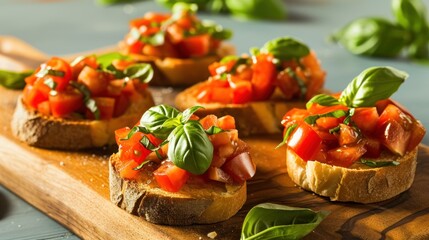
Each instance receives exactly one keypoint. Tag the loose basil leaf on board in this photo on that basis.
(372, 85)
(373, 37)
(375, 164)
(189, 148)
(257, 9)
(141, 71)
(274, 221)
(13, 80)
(154, 118)
(106, 60)
(285, 48)
(322, 99)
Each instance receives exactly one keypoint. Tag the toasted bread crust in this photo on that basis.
(182, 72)
(193, 204)
(56, 133)
(252, 118)
(355, 184)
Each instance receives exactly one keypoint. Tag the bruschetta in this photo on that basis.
(176, 169)
(257, 89)
(178, 45)
(357, 146)
(79, 105)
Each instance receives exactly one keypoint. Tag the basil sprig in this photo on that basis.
(189, 147)
(380, 37)
(274, 221)
(371, 85)
(285, 48)
(13, 80)
(376, 164)
(89, 102)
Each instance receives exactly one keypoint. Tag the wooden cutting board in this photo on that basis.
(72, 187)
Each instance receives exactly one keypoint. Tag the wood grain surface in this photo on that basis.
(72, 187)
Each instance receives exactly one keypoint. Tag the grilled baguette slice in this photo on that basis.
(181, 72)
(252, 118)
(56, 133)
(195, 203)
(358, 183)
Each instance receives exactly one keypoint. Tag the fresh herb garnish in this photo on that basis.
(285, 48)
(274, 221)
(336, 114)
(376, 164)
(13, 80)
(90, 103)
(105, 60)
(289, 131)
(48, 71)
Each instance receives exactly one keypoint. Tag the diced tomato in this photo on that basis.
(219, 139)
(33, 96)
(195, 46)
(319, 109)
(175, 33)
(329, 122)
(94, 80)
(209, 121)
(131, 149)
(122, 64)
(154, 17)
(345, 156)
(218, 68)
(121, 134)
(106, 106)
(221, 95)
(217, 160)
(126, 169)
(64, 103)
(61, 65)
(305, 142)
(263, 78)
(417, 133)
(226, 122)
(241, 92)
(373, 147)
(44, 108)
(289, 86)
(394, 129)
(77, 66)
(294, 115)
(136, 47)
(366, 119)
(217, 174)
(42, 87)
(121, 105)
(348, 135)
(170, 177)
(240, 168)
(137, 22)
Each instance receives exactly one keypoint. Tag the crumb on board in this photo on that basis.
(62, 164)
(212, 235)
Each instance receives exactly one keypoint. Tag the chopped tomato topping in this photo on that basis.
(170, 177)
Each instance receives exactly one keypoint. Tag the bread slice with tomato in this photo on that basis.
(176, 169)
(356, 146)
(258, 89)
(79, 105)
(179, 46)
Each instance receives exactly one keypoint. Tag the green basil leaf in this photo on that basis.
(257, 9)
(189, 148)
(372, 85)
(336, 114)
(300, 81)
(376, 164)
(285, 48)
(274, 221)
(289, 131)
(154, 118)
(228, 58)
(156, 39)
(322, 99)
(214, 30)
(188, 113)
(419, 48)
(13, 80)
(90, 103)
(410, 14)
(105, 60)
(214, 130)
(50, 83)
(141, 71)
(48, 71)
(170, 3)
(373, 37)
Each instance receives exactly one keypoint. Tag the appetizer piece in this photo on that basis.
(80, 105)
(258, 89)
(179, 46)
(173, 168)
(357, 146)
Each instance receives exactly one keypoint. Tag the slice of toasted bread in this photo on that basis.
(56, 133)
(252, 118)
(358, 183)
(181, 72)
(195, 203)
